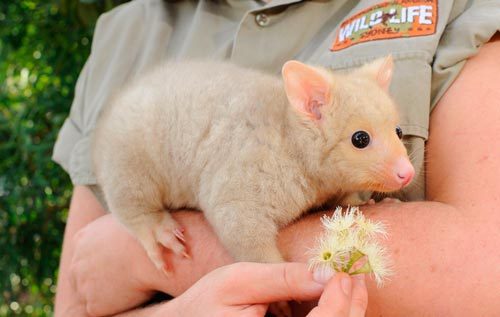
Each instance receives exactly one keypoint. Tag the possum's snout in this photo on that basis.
(394, 175)
(403, 172)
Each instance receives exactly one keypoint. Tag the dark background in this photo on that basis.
(43, 46)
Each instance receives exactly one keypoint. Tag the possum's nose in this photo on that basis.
(404, 171)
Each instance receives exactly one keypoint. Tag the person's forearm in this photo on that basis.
(104, 270)
(437, 271)
(427, 246)
(82, 212)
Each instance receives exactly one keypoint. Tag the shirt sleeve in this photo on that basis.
(462, 38)
(71, 141)
(114, 49)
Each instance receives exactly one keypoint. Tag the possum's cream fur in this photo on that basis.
(227, 141)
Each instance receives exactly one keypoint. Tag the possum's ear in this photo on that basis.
(381, 69)
(307, 88)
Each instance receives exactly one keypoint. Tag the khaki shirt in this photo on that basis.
(430, 41)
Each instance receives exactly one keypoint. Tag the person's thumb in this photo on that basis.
(336, 298)
(344, 296)
(252, 283)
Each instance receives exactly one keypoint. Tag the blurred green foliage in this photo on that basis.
(43, 45)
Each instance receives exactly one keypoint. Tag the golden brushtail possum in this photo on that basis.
(251, 150)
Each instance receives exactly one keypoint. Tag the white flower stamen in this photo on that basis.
(348, 243)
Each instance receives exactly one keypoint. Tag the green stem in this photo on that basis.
(355, 256)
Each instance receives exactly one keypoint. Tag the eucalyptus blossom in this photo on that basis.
(349, 244)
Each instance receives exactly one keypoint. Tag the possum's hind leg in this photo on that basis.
(156, 230)
(249, 233)
(138, 204)
(246, 230)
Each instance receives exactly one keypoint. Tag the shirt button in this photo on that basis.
(262, 19)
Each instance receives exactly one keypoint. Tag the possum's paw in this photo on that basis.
(390, 200)
(356, 199)
(280, 309)
(172, 239)
(165, 234)
(385, 200)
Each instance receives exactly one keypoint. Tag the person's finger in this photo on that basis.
(248, 283)
(359, 299)
(336, 298)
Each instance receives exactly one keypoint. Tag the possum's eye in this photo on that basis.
(399, 132)
(360, 139)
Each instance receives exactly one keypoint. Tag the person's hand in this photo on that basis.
(246, 289)
(112, 273)
(107, 270)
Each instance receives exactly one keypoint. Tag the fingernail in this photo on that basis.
(323, 274)
(360, 277)
(345, 282)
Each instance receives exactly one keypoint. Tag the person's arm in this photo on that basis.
(83, 210)
(70, 296)
(112, 272)
(241, 289)
(104, 270)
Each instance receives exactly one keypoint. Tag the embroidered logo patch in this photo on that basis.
(388, 20)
